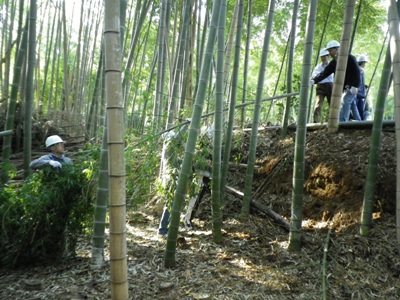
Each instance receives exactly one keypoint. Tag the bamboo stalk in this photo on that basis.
(6, 133)
(263, 208)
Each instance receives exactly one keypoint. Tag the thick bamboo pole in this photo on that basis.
(115, 141)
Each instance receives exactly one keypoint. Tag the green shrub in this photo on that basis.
(43, 217)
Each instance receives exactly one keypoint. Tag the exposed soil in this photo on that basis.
(254, 262)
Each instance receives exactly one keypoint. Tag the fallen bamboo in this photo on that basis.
(386, 124)
(278, 165)
(263, 208)
(6, 133)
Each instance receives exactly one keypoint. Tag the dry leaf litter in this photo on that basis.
(254, 262)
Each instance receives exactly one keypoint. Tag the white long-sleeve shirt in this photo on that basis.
(318, 69)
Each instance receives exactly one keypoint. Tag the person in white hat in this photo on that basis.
(56, 159)
(324, 87)
(351, 81)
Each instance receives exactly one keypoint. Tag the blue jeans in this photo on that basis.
(360, 106)
(164, 222)
(349, 103)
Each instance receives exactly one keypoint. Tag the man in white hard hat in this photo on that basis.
(56, 159)
(324, 87)
(351, 81)
(362, 90)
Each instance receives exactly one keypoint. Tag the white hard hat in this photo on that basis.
(323, 52)
(53, 139)
(362, 59)
(332, 44)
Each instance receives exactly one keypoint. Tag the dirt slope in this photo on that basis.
(335, 172)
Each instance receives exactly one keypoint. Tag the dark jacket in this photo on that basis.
(352, 77)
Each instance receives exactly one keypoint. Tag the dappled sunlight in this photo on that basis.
(313, 224)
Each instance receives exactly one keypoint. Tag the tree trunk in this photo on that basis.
(300, 142)
(353, 35)
(7, 45)
(161, 64)
(216, 189)
(9, 125)
(232, 104)
(229, 45)
(93, 110)
(100, 209)
(177, 76)
(322, 36)
(136, 29)
(373, 157)
(64, 101)
(29, 91)
(186, 168)
(117, 176)
(246, 59)
(256, 116)
(289, 77)
(393, 19)
(333, 121)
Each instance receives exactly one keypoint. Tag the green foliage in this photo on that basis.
(203, 153)
(42, 217)
(142, 163)
(167, 191)
(389, 108)
(9, 169)
(239, 147)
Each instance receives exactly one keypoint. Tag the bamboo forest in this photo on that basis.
(185, 150)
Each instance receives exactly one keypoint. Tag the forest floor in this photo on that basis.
(253, 262)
